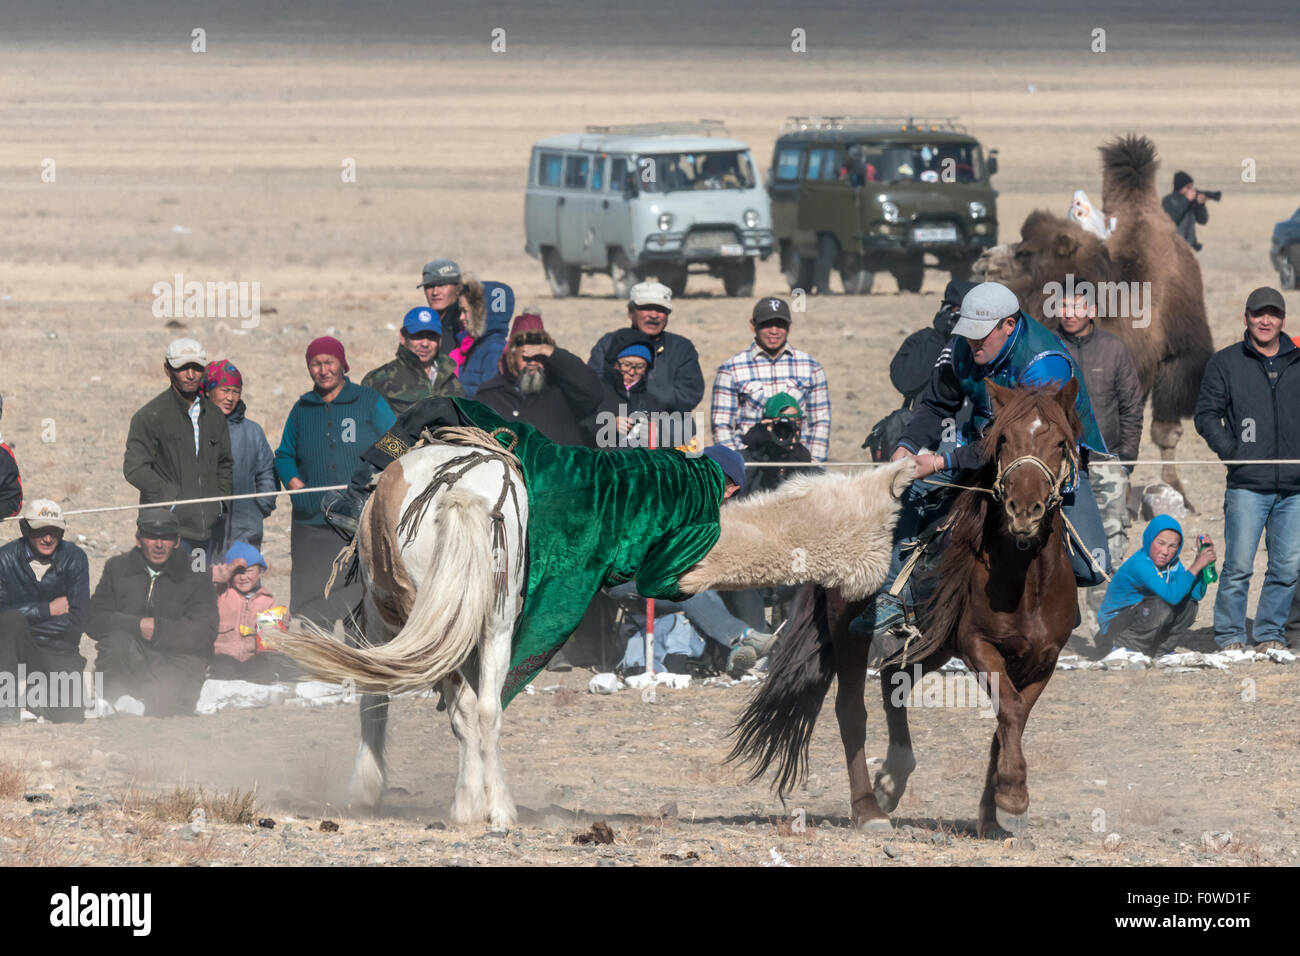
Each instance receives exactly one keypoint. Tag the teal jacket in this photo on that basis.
(1031, 356)
(1139, 578)
(322, 442)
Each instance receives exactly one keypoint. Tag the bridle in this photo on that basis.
(1057, 481)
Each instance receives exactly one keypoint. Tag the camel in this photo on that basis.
(1163, 323)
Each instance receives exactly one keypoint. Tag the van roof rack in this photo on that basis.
(706, 127)
(909, 123)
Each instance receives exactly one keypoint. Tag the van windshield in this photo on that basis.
(669, 172)
(914, 163)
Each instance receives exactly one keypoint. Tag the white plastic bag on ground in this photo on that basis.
(604, 684)
(239, 694)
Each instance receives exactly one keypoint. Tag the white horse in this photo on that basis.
(443, 569)
(439, 589)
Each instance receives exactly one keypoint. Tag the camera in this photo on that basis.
(1213, 194)
(784, 432)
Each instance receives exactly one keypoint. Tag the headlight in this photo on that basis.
(889, 210)
(665, 221)
(978, 210)
(751, 218)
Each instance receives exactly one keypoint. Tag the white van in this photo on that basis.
(653, 201)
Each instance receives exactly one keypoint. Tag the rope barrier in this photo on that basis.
(196, 501)
(748, 464)
(1098, 461)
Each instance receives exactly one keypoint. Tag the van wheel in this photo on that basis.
(1289, 272)
(564, 279)
(797, 270)
(959, 267)
(675, 279)
(828, 251)
(739, 280)
(855, 275)
(624, 275)
(910, 274)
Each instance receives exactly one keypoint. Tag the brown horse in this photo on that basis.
(1005, 605)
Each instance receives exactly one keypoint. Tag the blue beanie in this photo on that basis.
(729, 460)
(242, 549)
(637, 350)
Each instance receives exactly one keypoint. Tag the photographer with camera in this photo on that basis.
(778, 437)
(1186, 207)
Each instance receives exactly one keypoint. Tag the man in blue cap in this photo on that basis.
(993, 341)
(420, 370)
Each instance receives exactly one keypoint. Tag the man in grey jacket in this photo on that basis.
(675, 379)
(1116, 392)
(178, 447)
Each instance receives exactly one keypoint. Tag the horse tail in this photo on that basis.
(453, 607)
(777, 723)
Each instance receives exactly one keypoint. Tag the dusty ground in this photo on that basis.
(241, 148)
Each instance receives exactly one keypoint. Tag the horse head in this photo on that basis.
(1033, 441)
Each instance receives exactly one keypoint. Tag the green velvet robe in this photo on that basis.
(599, 518)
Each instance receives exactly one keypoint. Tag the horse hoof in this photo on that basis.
(876, 825)
(1015, 824)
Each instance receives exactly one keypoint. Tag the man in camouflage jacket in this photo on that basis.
(420, 371)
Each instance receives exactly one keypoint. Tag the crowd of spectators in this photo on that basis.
(187, 603)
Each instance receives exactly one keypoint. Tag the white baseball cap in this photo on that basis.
(182, 352)
(652, 293)
(43, 513)
(983, 307)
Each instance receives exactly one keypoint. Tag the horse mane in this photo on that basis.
(972, 520)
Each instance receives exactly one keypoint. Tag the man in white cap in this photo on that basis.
(178, 447)
(675, 379)
(44, 603)
(993, 341)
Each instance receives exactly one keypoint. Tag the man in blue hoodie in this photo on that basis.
(1152, 598)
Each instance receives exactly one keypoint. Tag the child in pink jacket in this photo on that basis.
(240, 599)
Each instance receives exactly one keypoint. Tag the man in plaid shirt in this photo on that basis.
(768, 367)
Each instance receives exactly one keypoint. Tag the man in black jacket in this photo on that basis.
(675, 381)
(178, 446)
(44, 601)
(154, 621)
(1247, 410)
(543, 385)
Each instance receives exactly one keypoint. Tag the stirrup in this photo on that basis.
(338, 508)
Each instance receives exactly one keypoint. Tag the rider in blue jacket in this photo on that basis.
(993, 341)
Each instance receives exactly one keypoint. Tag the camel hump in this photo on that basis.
(1128, 166)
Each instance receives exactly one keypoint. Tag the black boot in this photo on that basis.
(342, 509)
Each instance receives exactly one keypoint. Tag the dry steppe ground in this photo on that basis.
(227, 166)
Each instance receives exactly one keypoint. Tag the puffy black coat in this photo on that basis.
(1242, 414)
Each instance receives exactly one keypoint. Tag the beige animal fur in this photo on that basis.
(835, 529)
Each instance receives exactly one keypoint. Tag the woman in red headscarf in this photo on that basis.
(254, 467)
